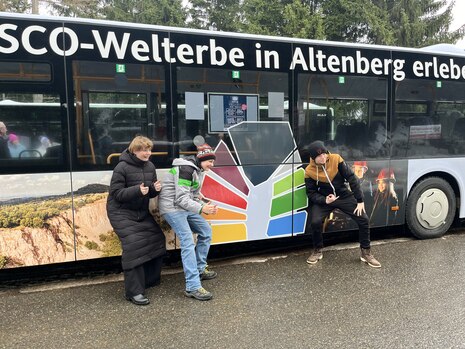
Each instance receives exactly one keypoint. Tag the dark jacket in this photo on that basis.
(128, 211)
(332, 179)
(4, 150)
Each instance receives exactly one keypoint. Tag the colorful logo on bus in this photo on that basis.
(257, 183)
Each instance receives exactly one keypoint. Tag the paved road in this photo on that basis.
(416, 300)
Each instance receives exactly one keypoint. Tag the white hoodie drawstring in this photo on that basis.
(327, 177)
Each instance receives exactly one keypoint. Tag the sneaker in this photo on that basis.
(316, 255)
(368, 258)
(208, 274)
(201, 294)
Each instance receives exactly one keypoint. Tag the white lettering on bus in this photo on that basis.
(53, 40)
(111, 41)
(140, 46)
(14, 43)
(235, 55)
(26, 40)
(163, 50)
(167, 45)
(213, 54)
(438, 71)
(183, 51)
(267, 57)
(320, 62)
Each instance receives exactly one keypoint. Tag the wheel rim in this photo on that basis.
(432, 208)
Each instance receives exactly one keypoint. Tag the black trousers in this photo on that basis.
(346, 205)
(146, 275)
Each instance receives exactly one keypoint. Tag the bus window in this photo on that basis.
(33, 129)
(112, 108)
(428, 119)
(341, 113)
(25, 71)
(252, 86)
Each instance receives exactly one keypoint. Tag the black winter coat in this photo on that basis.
(128, 211)
(4, 151)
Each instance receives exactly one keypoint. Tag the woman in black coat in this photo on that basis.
(133, 183)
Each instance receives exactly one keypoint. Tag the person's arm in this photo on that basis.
(153, 192)
(183, 184)
(118, 187)
(312, 192)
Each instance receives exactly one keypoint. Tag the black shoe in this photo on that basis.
(139, 299)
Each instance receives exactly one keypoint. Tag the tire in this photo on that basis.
(431, 208)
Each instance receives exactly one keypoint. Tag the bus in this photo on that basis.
(74, 92)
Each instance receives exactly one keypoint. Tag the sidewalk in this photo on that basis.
(277, 301)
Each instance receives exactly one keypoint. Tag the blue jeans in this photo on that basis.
(194, 260)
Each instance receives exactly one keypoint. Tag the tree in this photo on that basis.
(161, 12)
(77, 8)
(18, 6)
(215, 14)
(264, 16)
(356, 21)
(303, 20)
(418, 23)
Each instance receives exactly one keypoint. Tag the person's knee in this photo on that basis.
(316, 224)
(186, 240)
(206, 234)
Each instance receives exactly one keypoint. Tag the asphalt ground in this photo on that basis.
(276, 300)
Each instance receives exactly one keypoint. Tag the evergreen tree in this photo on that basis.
(264, 16)
(221, 15)
(418, 23)
(17, 6)
(161, 12)
(356, 21)
(76, 8)
(303, 19)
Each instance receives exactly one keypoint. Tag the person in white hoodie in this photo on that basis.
(181, 205)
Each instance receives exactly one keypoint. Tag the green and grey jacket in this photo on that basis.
(181, 187)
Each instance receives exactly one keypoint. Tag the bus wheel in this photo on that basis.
(430, 208)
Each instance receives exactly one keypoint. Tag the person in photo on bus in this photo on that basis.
(360, 169)
(4, 150)
(133, 184)
(325, 179)
(386, 202)
(44, 145)
(181, 205)
(15, 146)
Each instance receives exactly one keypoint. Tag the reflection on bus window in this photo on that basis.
(349, 117)
(30, 119)
(107, 119)
(430, 124)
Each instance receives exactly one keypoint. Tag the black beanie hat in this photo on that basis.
(316, 148)
(205, 152)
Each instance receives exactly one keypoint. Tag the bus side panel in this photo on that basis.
(36, 219)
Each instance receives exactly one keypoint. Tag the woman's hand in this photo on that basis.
(143, 189)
